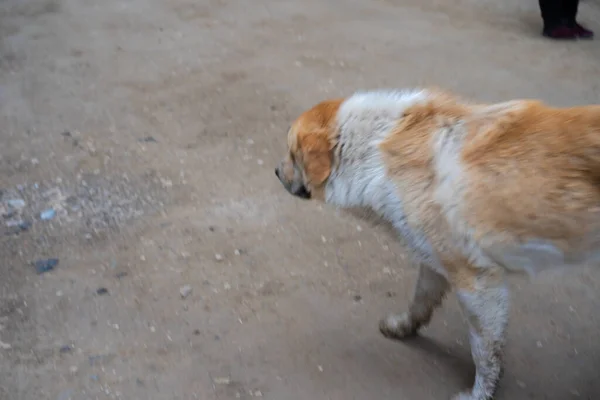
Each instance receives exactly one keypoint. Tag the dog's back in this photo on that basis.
(518, 182)
(535, 175)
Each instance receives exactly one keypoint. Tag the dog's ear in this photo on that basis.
(316, 155)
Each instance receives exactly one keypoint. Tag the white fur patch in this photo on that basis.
(379, 102)
(360, 179)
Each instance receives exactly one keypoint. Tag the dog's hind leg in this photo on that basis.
(483, 297)
(428, 295)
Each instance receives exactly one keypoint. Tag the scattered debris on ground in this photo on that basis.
(42, 266)
(93, 204)
(185, 291)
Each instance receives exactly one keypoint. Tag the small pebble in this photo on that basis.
(98, 359)
(17, 204)
(24, 225)
(11, 223)
(120, 275)
(47, 214)
(357, 298)
(66, 349)
(148, 139)
(196, 332)
(218, 257)
(101, 291)
(42, 266)
(17, 227)
(185, 291)
(225, 380)
(237, 252)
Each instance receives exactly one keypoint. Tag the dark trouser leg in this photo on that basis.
(552, 12)
(569, 11)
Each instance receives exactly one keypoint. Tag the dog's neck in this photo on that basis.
(360, 178)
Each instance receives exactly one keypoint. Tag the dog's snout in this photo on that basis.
(277, 172)
(302, 192)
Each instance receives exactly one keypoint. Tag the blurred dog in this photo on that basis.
(475, 190)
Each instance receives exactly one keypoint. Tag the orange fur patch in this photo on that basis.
(534, 171)
(312, 137)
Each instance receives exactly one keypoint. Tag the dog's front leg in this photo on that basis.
(429, 293)
(483, 296)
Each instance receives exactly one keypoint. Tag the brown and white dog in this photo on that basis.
(476, 191)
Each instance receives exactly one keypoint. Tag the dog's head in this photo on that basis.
(311, 139)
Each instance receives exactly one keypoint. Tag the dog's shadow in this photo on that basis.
(454, 366)
(417, 367)
(457, 365)
(432, 348)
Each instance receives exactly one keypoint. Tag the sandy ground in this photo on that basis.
(151, 128)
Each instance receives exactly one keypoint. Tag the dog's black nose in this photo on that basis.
(302, 192)
(276, 172)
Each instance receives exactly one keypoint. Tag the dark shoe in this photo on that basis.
(583, 32)
(561, 32)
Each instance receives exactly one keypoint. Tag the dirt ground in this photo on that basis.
(151, 128)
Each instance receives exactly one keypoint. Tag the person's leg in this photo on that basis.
(569, 10)
(569, 13)
(554, 24)
(551, 12)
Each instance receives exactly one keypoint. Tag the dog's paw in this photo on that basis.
(398, 327)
